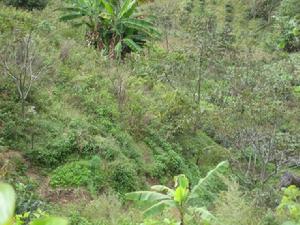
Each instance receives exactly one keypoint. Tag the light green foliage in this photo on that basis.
(10, 19)
(289, 207)
(71, 174)
(7, 203)
(76, 174)
(50, 221)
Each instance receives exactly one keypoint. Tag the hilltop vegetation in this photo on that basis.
(102, 98)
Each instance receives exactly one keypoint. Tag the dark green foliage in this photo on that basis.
(167, 164)
(54, 153)
(288, 20)
(28, 4)
(123, 177)
(263, 9)
(27, 199)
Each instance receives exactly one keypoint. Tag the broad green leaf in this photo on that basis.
(7, 203)
(180, 194)
(50, 221)
(108, 7)
(204, 213)
(181, 181)
(296, 32)
(159, 207)
(146, 196)
(142, 25)
(132, 45)
(127, 8)
(70, 16)
(211, 176)
(163, 189)
(282, 44)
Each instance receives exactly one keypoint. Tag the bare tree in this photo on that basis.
(21, 63)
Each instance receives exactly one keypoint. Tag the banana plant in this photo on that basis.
(7, 208)
(87, 11)
(123, 31)
(112, 25)
(180, 198)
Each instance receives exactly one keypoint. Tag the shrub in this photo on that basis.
(28, 4)
(76, 219)
(54, 153)
(71, 174)
(289, 22)
(168, 163)
(76, 174)
(123, 177)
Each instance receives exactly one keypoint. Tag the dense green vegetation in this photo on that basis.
(186, 110)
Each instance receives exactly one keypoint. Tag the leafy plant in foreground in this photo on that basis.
(7, 208)
(180, 198)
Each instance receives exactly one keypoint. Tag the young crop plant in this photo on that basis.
(112, 26)
(180, 198)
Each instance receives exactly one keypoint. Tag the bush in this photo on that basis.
(168, 163)
(76, 219)
(71, 174)
(289, 22)
(123, 177)
(54, 153)
(76, 174)
(28, 4)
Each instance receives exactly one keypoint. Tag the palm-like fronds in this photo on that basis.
(117, 29)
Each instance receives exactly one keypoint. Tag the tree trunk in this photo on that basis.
(23, 108)
(112, 46)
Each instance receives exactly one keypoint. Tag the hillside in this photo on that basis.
(90, 111)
